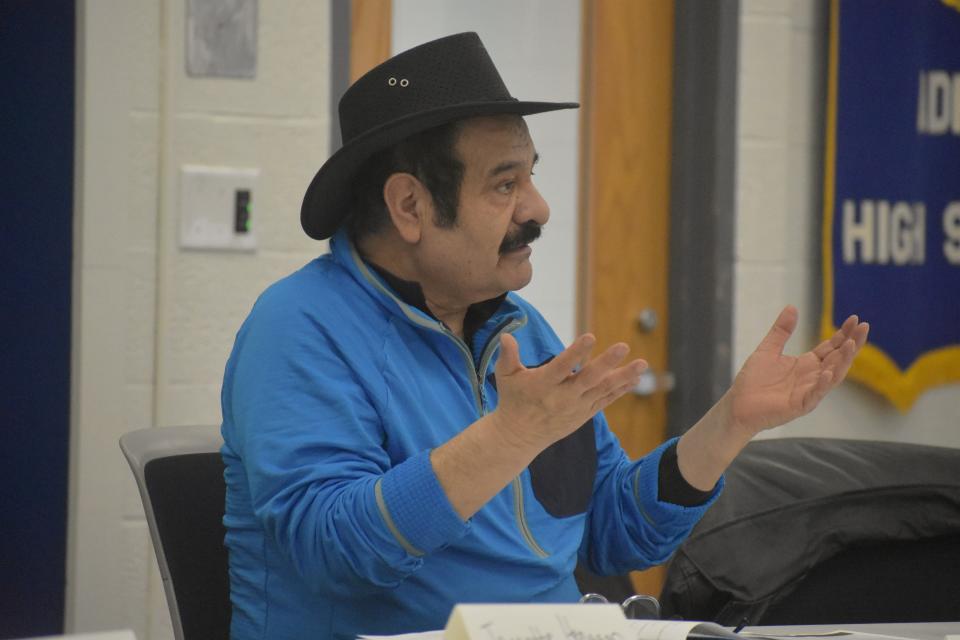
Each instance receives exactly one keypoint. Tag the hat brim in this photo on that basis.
(326, 202)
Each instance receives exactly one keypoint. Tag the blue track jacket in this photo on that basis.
(333, 397)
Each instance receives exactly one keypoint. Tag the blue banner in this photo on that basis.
(891, 245)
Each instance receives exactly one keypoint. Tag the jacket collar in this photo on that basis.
(405, 298)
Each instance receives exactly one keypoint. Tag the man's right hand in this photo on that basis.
(541, 405)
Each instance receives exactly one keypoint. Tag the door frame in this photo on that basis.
(702, 207)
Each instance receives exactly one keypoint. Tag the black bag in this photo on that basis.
(824, 531)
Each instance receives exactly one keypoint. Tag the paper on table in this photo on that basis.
(677, 630)
(640, 629)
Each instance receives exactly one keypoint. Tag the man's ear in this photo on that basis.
(408, 203)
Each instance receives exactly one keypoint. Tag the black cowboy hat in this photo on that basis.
(443, 80)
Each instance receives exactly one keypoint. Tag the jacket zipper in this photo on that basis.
(472, 374)
(522, 518)
(476, 379)
(487, 354)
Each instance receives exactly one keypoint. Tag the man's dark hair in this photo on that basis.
(430, 156)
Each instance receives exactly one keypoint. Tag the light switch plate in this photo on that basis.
(208, 207)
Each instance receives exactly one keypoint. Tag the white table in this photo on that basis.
(915, 630)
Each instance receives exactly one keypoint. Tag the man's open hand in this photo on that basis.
(542, 405)
(772, 388)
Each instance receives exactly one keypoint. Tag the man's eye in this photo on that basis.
(506, 187)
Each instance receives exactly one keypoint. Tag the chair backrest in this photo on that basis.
(179, 472)
(825, 531)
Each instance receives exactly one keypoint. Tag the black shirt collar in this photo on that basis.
(412, 293)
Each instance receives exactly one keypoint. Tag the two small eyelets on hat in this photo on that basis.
(403, 82)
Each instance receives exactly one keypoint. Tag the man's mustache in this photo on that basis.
(527, 233)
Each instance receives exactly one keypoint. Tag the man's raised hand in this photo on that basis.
(772, 388)
(544, 404)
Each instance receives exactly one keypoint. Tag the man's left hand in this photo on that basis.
(773, 388)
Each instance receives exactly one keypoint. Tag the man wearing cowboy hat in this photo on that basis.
(403, 432)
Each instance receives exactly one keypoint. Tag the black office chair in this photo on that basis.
(180, 475)
(825, 531)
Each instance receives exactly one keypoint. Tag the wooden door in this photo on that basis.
(370, 28)
(625, 160)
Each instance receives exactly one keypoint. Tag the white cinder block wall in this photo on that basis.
(154, 324)
(277, 123)
(781, 101)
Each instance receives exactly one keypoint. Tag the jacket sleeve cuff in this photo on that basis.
(655, 510)
(416, 509)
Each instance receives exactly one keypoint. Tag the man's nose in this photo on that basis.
(532, 207)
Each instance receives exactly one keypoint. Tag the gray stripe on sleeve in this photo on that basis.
(381, 503)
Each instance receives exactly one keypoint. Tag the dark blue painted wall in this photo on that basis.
(36, 215)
